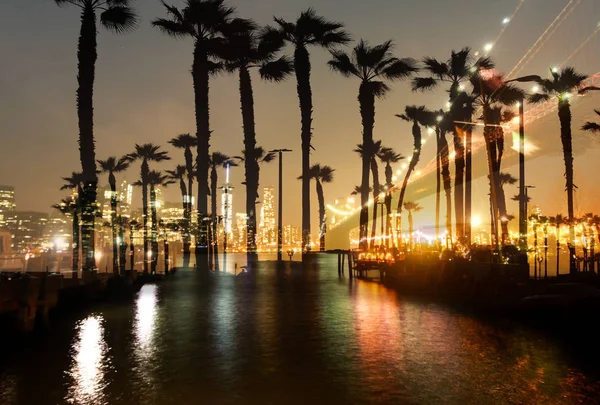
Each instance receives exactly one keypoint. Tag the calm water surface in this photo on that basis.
(297, 337)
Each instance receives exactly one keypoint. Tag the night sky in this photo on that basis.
(144, 93)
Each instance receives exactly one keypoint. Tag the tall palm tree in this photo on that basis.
(217, 160)
(592, 126)
(373, 152)
(187, 142)
(388, 156)
(489, 89)
(69, 207)
(560, 87)
(146, 153)
(411, 207)
(155, 179)
(75, 184)
(204, 21)
(308, 30)
(504, 179)
(180, 174)
(418, 116)
(372, 65)
(117, 16)
(111, 166)
(133, 226)
(454, 72)
(321, 174)
(244, 50)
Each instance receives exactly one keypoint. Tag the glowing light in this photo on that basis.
(423, 141)
(452, 155)
(399, 171)
(518, 104)
(351, 200)
(381, 195)
(516, 120)
(404, 165)
(506, 20)
(150, 254)
(394, 178)
(461, 87)
(439, 118)
(98, 255)
(448, 104)
(418, 173)
(535, 89)
(554, 70)
(488, 47)
(430, 131)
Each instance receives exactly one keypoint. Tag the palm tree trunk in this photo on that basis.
(322, 219)
(144, 175)
(459, 165)
(154, 235)
(214, 247)
(416, 130)
(113, 223)
(388, 204)
(185, 233)
(187, 208)
(200, 76)
(438, 183)
(166, 253)
(564, 114)
(493, 177)
(122, 248)
(86, 57)
(375, 171)
(557, 249)
(447, 182)
(302, 69)
(131, 248)
(366, 101)
(250, 162)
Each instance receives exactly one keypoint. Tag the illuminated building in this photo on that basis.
(29, 231)
(240, 230)
(291, 236)
(56, 233)
(7, 208)
(227, 204)
(267, 227)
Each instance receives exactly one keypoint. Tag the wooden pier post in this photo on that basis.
(350, 264)
(340, 255)
(343, 261)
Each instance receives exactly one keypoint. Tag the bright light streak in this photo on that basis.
(506, 20)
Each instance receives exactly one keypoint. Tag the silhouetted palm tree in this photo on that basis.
(75, 184)
(187, 142)
(592, 126)
(70, 207)
(454, 72)
(217, 160)
(155, 179)
(560, 87)
(504, 179)
(133, 226)
(244, 49)
(111, 166)
(372, 66)
(411, 207)
(388, 156)
(118, 16)
(146, 153)
(418, 116)
(203, 21)
(179, 174)
(308, 30)
(373, 151)
(321, 174)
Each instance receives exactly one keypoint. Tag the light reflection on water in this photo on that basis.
(89, 364)
(294, 337)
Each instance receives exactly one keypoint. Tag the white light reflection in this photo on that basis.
(90, 363)
(145, 339)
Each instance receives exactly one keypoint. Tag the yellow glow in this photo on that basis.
(488, 47)
(506, 20)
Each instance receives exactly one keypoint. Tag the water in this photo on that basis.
(299, 337)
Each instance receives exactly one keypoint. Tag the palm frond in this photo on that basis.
(424, 83)
(277, 70)
(119, 19)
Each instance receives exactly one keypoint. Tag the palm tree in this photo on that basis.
(155, 179)
(321, 174)
(373, 151)
(454, 72)
(217, 160)
(411, 207)
(489, 89)
(560, 87)
(180, 174)
(592, 126)
(187, 142)
(133, 226)
(75, 184)
(388, 156)
(261, 156)
(203, 21)
(146, 153)
(308, 30)
(111, 166)
(69, 207)
(505, 178)
(244, 49)
(419, 116)
(117, 16)
(372, 65)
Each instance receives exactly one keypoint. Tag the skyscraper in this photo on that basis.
(227, 204)
(7, 208)
(29, 233)
(240, 229)
(267, 227)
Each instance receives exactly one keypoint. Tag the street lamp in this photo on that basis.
(280, 208)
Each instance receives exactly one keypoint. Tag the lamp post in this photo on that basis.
(280, 208)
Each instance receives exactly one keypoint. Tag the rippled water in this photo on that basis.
(297, 337)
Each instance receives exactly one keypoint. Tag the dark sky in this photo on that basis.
(144, 92)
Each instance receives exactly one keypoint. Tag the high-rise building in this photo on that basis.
(241, 221)
(56, 234)
(227, 204)
(267, 227)
(29, 232)
(291, 236)
(7, 208)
